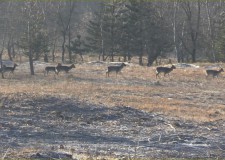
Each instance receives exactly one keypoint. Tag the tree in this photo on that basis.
(94, 39)
(214, 20)
(150, 34)
(65, 16)
(34, 40)
(137, 18)
(111, 25)
(77, 46)
(125, 28)
(104, 30)
(193, 26)
(220, 44)
(4, 29)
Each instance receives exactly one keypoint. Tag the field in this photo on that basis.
(86, 114)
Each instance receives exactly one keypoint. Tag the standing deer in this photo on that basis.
(5, 69)
(165, 70)
(214, 73)
(8, 69)
(51, 69)
(116, 69)
(61, 68)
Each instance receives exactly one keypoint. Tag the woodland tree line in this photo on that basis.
(190, 31)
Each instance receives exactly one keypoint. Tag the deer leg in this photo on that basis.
(157, 74)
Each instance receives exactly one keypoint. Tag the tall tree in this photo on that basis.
(65, 16)
(34, 40)
(104, 29)
(137, 17)
(193, 15)
(111, 26)
(95, 34)
(220, 41)
(149, 34)
(77, 47)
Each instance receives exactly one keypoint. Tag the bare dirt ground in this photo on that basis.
(84, 113)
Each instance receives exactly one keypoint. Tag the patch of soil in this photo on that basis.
(53, 124)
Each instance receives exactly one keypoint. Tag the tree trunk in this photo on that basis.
(112, 57)
(66, 26)
(81, 56)
(153, 55)
(103, 56)
(193, 31)
(2, 73)
(150, 61)
(180, 50)
(128, 56)
(46, 57)
(141, 59)
(53, 51)
(124, 57)
(9, 49)
(195, 35)
(175, 31)
(31, 62)
(69, 42)
(13, 49)
(63, 46)
(102, 44)
(211, 33)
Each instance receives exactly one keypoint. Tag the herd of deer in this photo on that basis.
(114, 68)
(167, 70)
(58, 68)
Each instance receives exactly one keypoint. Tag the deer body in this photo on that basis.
(214, 73)
(8, 69)
(61, 68)
(50, 69)
(165, 70)
(116, 69)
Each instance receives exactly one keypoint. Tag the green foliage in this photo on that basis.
(95, 31)
(129, 28)
(38, 43)
(148, 31)
(77, 46)
(104, 29)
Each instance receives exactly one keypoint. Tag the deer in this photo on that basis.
(66, 69)
(214, 73)
(165, 70)
(51, 69)
(5, 69)
(116, 69)
(9, 69)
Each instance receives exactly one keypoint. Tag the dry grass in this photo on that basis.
(186, 94)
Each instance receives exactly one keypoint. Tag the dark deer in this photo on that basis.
(51, 69)
(8, 69)
(214, 73)
(165, 70)
(61, 68)
(5, 69)
(116, 69)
